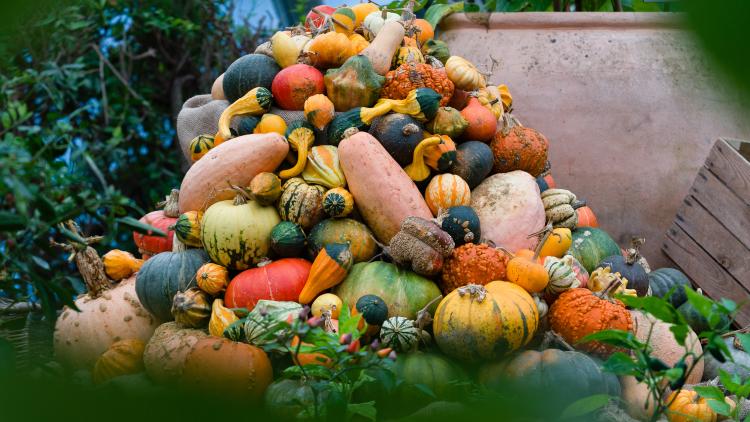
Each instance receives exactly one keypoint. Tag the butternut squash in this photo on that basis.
(382, 49)
(236, 161)
(383, 193)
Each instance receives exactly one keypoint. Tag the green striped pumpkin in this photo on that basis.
(400, 334)
(663, 280)
(591, 245)
(338, 202)
(301, 203)
(200, 145)
(323, 167)
(343, 230)
(288, 239)
(188, 228)
(561, 276)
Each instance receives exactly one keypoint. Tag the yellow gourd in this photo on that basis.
(490, 98)
(601, 278)
(330, 50)
(418, 170)
(221, 318)
(344, 20)
(527, 271)
(285, 50)
(301, 138)
(200, 145)
(256, 102)
(120, 264)
(557, 243)
(212, 278)
(464, 74)
(407, 54)
(327, 302)
(265, 188)
(122, 358)
(361, 10)
(505, 97)
(271, 123)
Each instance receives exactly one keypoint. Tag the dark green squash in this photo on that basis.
(473, 162)
(404, 291)
(373, 309)
(462, 224)
(561, 377)
(284, 399)
(354, 84)
(246, 124)
(664, 279)
(343, 122)
(739, 364)
(591, 245)
(248, 72)
(442, 377)
(399, 134)
(437, 49)
(288, 239)
(165, 274)
(697, 322)
(629, 268)
(343, 230)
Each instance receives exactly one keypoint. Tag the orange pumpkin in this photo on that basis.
(303, 358)
(516, 147)
(424, 31)
(445, 191)
(687, 406)
(472, 264)
(212, 278)
(330, 50)
(482, 123)
(579, 312)
(410, 76)
(586, 217)
(528, 272)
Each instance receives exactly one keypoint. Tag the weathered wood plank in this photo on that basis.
(704, 271)
(723, 204)
(731, 168)
(715, 239)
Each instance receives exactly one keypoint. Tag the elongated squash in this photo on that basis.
(383, 193)
(235, 161)
(382, 49)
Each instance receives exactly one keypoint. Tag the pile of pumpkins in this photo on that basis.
(356, 161)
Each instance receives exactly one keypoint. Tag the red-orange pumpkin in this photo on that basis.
(516, 147)
(482, 123)
(586, 217)
(295, 84)
(149, 245)
(472, 264)
(280, 280)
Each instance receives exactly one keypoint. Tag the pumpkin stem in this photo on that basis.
(177, 245)
(509, 122)
(475, 291)
(578, 204)
(410, 129)
(264, 261)
(242, 194)
(424, 318)
(632, 253)
(552, 337)
(171, 204)
(87, 260)
(547, 230)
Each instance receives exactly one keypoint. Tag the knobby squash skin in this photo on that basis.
(375, 179)
(235, 161)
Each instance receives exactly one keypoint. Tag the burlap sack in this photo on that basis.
(199, 116)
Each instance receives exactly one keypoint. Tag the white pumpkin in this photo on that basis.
(374, 22)
(509, 208)
(81, 337)
(165, 354)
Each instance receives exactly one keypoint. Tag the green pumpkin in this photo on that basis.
(354, 84)
(338, 202)
(246, 124)
(739, 364)
(248, 72)
(473, 162)
(400, 334)
(404, 291)
(165, 274)
(448, 121)
(399, 134)
(561, 377)
(441, 376)
(284, 399)
(343, 230)
(323, 167)
(437, 49)
(373, 309)
(462, 224)
(591, 245)
(697, 322)
(288, 239)
(343, 122)
(301, 203)
(663, 280)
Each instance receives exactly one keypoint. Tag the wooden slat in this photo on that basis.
(731, 168)
(723, 204)
(715, 239)
(704, 271)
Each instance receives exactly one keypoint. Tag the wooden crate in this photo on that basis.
(710, 236)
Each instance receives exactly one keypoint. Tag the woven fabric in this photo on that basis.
(199, 116)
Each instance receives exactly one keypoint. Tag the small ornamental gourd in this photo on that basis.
(561, 276)
(663, 280)
(301, 137)
(375, 21)
(343, 230)
(373, 309)
(119, 264)
(265, 188)
(440, 157)
(687, 406)
(420, 245)
(150, 244)
(330, 268)
(212, 278)
(559, 208)
(481, 123)
(271, 123)
(448, 121)
(343, 20)
(418, 169)
(473, 264)
(602, 278)
(566, 317)
(400, 334)
(327, 302)
(329, 50)
(188, 228)
(123, 357)
(354, 84)
(629, 268)
(191, 308)
(324, 168)
(246, 124)
(437, 49)
(445, 191)
(586, 216)
(477, 322)
(462, 224)
(516, 147)
(287, 48)
(489, 97)
(221, 318)
(525, 269)
(464, 74)
(200, 145)
(557, 244)
(319, 111)
(287, 239)
(416, 74)
(407, 54)
(301, 203)
(255, 102)
(318, 16)
(338, 202)
(581, 274)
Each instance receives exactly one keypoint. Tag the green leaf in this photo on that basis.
(366, 410)
(656, 306)
(437, 12)
(720, 406)
(11, 222)
(40, 262)
(680, 333)
(675, 374)
(617, 338)
(621, 364)
(709, 392)
(701, 303)
(585, 406)
(744, 340)
(141, 227)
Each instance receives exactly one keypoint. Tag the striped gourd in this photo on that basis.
(445, 191)
(338, 202)
(200, 145)
(477, 322)
(188, 228)
(399, 333)
(323, 167)
(237, 234)
(301, 203)
(561, 276)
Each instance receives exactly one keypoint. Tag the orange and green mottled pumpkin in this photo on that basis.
(476, 322)
(343, 230)
(441, 157)
(344, 20)
(445, 191)
(301, 203)
(354, 84)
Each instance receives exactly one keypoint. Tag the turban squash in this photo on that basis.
(412, 75)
